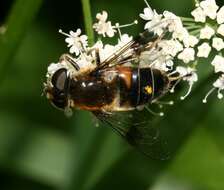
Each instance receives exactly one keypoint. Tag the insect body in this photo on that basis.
(114, 89)
(111, 88)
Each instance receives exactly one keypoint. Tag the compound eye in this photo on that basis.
(59, 79)
(59, 103)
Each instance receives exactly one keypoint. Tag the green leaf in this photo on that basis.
(19, 20)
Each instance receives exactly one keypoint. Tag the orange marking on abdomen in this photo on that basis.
(126, 74)
(88, 108)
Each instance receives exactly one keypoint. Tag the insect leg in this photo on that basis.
(97, 57)
(70, 59)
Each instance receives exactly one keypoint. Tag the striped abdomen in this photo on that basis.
(118, 89)
(139, 86)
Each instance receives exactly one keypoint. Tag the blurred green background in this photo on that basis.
(42, 149)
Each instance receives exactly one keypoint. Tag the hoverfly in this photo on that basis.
(115, 92)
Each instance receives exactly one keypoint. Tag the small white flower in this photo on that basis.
(148, 57)
(220, 15)
(207, 32)
(175, 25)
(183, 71)
(193, 78)
(52, 68)
(102, 26)
(187, 55)
(160, 66)
(180, 33)
(218, 63)
(190, 41)
(125, 38)
(199, 15)
(220, 29)
(219, 83)
(210, 8)
(106, 52)
(85, 61)
(174, 22)
(98, 45)
(164, 63)
(148, 14)
(218, 43)
(204, 50)
(188, 75)
(102, 17)
(76, 41)
(171, 47)
(153, 19)
(152, 24)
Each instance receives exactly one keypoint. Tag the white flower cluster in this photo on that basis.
(85, 55)
(190, 39)
(180, 45)
(209, 18)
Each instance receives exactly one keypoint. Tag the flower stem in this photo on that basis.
(192, 27)
(191, 24)
(195, 32)
(88, 20)
(187, 19)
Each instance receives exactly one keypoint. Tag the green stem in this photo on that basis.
(192, 27)
(191, 24)
(88, 20)
(187, 19)
(188, 23)
(195, 32)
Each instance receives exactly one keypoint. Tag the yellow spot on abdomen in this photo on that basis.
(148, 89)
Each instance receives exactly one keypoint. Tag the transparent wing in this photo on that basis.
(137, 129)
(143, 42)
